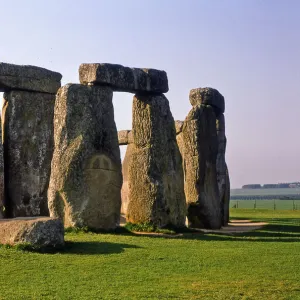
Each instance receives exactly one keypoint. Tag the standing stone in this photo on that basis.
(28, 78)
(226, 200)
(200, 154)
(1, 175)
(125, 171)
(28, 141)
(86, 177)
(156, 191)
(208, 96)
(222, 171)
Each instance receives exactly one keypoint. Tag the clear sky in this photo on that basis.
(247, 49)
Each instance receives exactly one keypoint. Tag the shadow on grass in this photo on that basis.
(268, 233)
(95, 248)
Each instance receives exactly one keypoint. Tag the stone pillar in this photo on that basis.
(125, 138)
(200, 157)
(156, 191)
(222, 170)
(27, 136)
(28, 149)
(86, 178)
(1, 176)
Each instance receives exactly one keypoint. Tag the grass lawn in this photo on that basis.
(264, 264)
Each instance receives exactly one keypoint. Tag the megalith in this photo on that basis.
(200, 158)
(154, 166)
(222, 170)
(28, 78)
(1, 175)
(86, 177)
(27, 118)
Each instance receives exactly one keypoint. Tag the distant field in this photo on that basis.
(261, 192)
(266, 204)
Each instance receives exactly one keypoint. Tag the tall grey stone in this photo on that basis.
(125, 79)
(1, 175)
(28, 149)
(86, 177)
(200, 154)
(28, 78)
(155, 177)
(222, 170)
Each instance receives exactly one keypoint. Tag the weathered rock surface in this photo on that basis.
(1, 175)
(125, 79)
(200, 154)
(28, 140)
(86, 177)
(125, 171)
(208, 96)
(125, 137)
(37, 231)
(28, 78)
(156, 191)
(222, 171)
(226, 200)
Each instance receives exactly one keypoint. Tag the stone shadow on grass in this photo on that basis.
(268, 233)
(95, 248)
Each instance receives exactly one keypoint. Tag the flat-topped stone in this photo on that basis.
(208, 96)
(36, 231)
(28, 78)
(124, 79)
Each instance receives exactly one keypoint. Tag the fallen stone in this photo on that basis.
(28, 78)
(125, 79)
(86, 177)
(155, 176)
(208, 96)
(200, 154)
(28, 140)
(38, 232)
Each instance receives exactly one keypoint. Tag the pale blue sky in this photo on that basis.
(247, 49)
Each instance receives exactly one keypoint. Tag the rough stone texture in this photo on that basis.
(1, 175)
(125, 137)
(125, 171)
(28, 140)
(124, 79)
(178, 126)
(208, 96)
(86, 177)
(28, 78)
(200, 154)
(222, 170)
(156, 190)
(226, 200)
(40, 232)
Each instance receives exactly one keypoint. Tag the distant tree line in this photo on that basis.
(266, 197)
(272, 186)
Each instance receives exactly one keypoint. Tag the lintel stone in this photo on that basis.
(124, 79)
(28, 78)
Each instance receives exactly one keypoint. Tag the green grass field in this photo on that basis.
(264, 264)
(266, 204)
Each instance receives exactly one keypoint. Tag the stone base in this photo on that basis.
(37, 231)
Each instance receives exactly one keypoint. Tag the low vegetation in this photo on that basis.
(263, 264)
